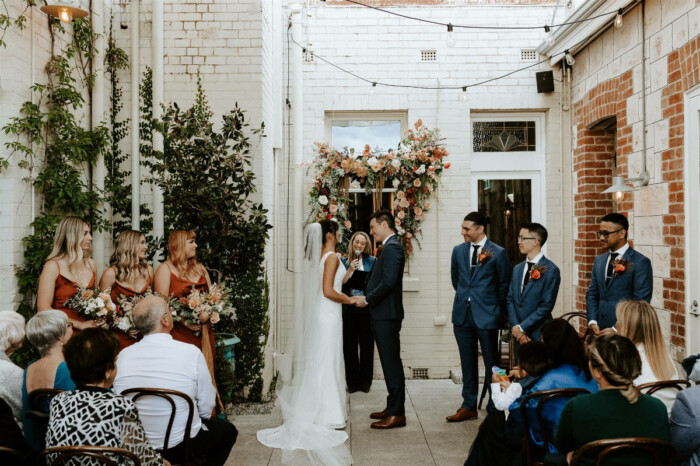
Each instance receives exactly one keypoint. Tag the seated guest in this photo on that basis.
(48, 331)
(499, 441)
(638, 321)
(11, 437)
(685, 427)
(617, 410)
(11, 336)
(158, 361)
(93, 415)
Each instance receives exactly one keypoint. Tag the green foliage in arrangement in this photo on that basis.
(50, 142)
(207, 183)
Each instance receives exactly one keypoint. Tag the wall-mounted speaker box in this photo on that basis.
(545, 81)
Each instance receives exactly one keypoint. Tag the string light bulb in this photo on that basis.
(463, 94)
(548, 32)
(618, 19)
(372, 89)
(450, 36)
(570, 60)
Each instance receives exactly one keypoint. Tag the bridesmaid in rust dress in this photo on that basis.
(128, 274)
(176, 277)
(68, 268)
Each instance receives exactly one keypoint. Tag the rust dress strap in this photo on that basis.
(66, 289)
(117, 291)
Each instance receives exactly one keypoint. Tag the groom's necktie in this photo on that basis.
(475, 257)
(530, 265)
(611, 268)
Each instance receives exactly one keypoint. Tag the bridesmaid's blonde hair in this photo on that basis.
(639, 323)
(66, 242)
(125, 258)
(176, 248)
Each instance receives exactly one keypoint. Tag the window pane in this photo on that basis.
(509, 204)
(354, 134)
(504, 136)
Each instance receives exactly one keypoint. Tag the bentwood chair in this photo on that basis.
(542, 397)
(653, 387)
(11, 456)
(38, 403)
(578, 320)
(58, 456)
(189, 458)
(659, 451)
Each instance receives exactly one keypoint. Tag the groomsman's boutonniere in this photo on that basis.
(537, 272)
(485, 256)
(621, 266)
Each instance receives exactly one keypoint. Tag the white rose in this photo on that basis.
(396, 163)
(372, 161)
(421, 170)
(123, 324)
(396, 183)
(323, 200)
(99, 302)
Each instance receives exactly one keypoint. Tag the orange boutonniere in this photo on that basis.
(620, 266)
(485, 256)
(537, 272)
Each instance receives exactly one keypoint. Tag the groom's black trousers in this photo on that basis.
(386, 334)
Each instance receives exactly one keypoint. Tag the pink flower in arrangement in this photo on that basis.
(404, 203)
(417, 210)
(416, 183)
(401, 214)
(400, 195)
(391, 155)
(426, 206)
(334, 208)
(348, 224)
(431, 168)
(397, 221)
(420, 217)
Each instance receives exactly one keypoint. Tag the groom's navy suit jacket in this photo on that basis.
(637, 282)
(385, 282)
(532, 308)
(487, 287)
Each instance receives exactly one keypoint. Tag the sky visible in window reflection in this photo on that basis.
(355, 134)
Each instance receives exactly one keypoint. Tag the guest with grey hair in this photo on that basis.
(11, 337)
(48, 331)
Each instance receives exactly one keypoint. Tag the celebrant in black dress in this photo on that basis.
(357, 331)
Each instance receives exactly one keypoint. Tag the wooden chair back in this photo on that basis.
(543, 397)
(653, 387)
(167, 395)
(11, 456)
(582, 322)
(36, 412)
(660, 451)
(64, 454)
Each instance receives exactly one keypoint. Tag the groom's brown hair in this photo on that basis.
(384, 216)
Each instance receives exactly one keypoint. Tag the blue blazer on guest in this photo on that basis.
(487, 288)
(634, 283)
(532, 308)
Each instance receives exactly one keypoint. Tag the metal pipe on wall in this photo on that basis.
(135, 139)
(298, 145)
(157, 50)
(97, 110)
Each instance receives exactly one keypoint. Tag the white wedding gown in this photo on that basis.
(312, 372)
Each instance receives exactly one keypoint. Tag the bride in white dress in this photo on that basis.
(312, 372)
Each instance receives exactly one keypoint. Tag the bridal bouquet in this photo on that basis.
(201, 307)
(122, 317)
(93, 304)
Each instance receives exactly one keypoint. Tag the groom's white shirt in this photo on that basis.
(387, 239)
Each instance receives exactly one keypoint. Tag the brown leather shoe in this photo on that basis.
(379, 414)
(390, 422)
(462, 415)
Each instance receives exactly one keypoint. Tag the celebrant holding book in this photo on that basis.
(357, 329)
(68, 269)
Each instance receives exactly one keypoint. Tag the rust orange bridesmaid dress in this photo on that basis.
(117, 290)
(66, 289)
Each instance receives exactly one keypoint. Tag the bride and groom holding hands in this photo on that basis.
(313, 396)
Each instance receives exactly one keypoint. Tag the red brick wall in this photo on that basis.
(683, 74)
(594, 162)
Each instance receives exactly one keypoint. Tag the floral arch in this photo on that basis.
(414, 171)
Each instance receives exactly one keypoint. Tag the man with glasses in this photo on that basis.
(533, 286)
(480, 276)
(621, 273)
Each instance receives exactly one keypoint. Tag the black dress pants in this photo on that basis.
(213, 444)
(357, 333)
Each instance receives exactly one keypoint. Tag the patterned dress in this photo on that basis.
(95, 416)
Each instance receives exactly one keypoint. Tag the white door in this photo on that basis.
(692, 215)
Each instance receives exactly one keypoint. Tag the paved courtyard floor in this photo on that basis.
(426, 440)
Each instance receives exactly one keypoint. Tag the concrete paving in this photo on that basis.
(426, 440)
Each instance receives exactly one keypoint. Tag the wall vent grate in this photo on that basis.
(428, 55)
(420, 373)
(309, 57)
(528, 55)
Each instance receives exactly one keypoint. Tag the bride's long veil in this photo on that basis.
(303, 442)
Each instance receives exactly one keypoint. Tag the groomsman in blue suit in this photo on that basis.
(480, 276)
(621, 273)
(533, 286)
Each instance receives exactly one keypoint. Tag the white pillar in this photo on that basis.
(135, 140)
(297, 154)
(98, 109)
(157, 50)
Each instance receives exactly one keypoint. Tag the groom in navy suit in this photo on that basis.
(621, 273)
(480, 277)
(533, 286)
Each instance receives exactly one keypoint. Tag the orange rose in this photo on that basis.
(447, 165)
(535, 274)
(426, 206)
(416, 183)
(400, 195)
(85, 295)
(431, 168)
(348, 224)
(619, 268)
(418, 123)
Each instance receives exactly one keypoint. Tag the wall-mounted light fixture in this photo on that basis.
(65, 10)
(619, 186)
